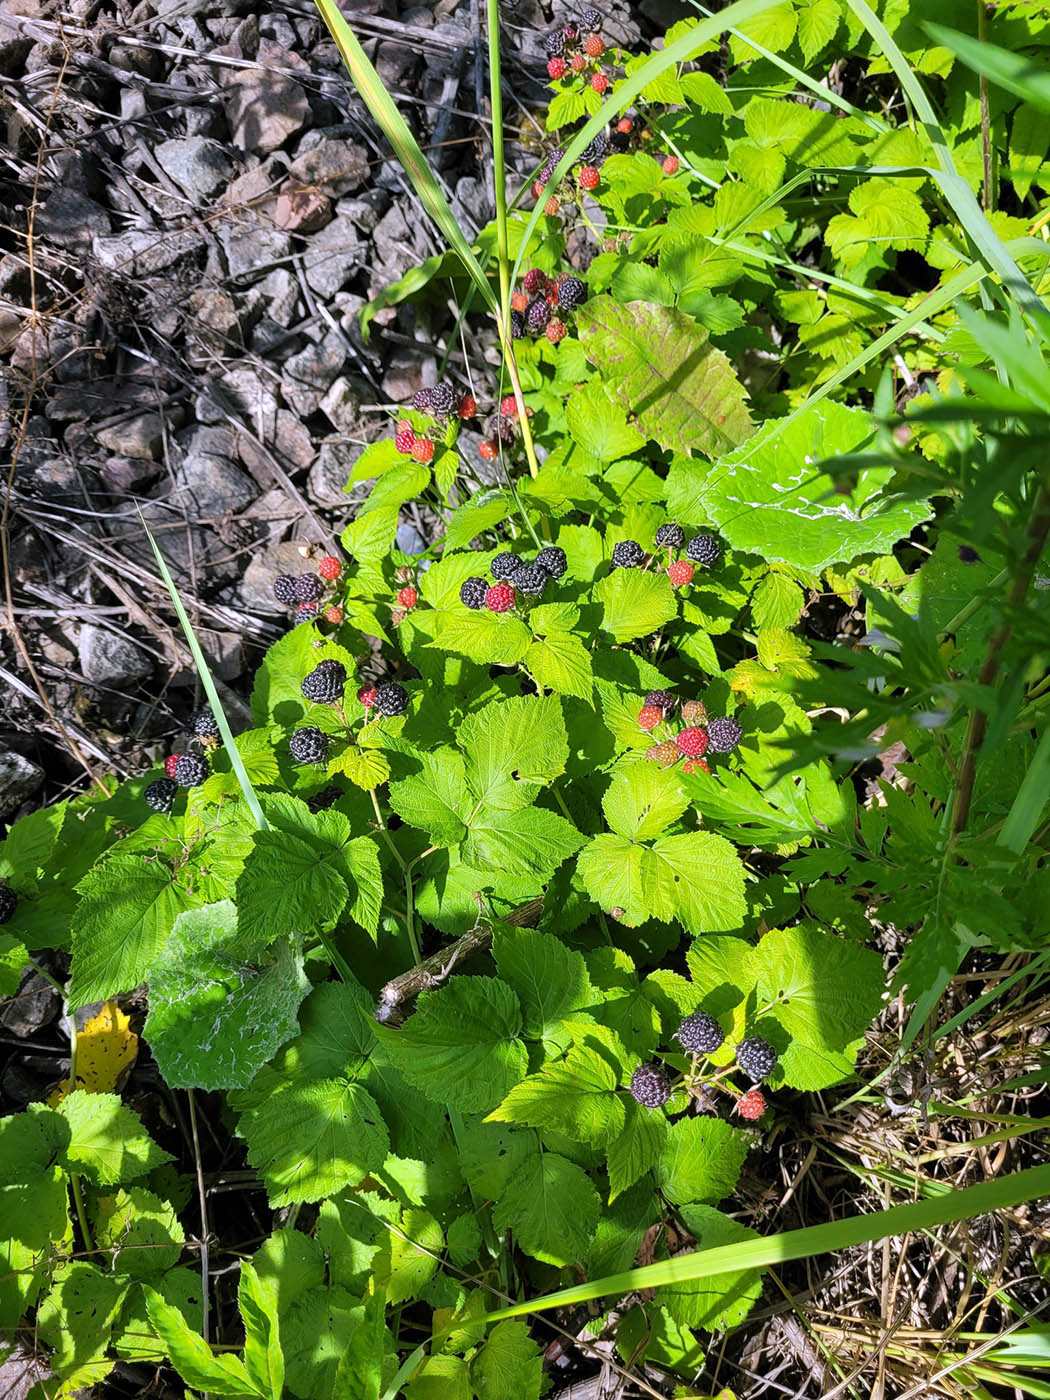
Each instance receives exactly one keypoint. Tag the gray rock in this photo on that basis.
(342, 404)
(19, 779)
(395, 249)
(242, 391)
(333, 255)
(293, 441)
(281, 292)
(224, 652)
(124, 474)
(212, 325)
(141, 435)
(71, 220)
(338, 167)
(198, 166)
(107, 658)
(329, 475)
(138, 253)
(263, 105)
(308, 375)
(207, 483)
(252, 250)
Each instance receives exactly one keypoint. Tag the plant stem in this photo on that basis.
(74, 1177)
(410, 910)
(502, 242)
(986, 120)
(383, 831)
(202, 1198)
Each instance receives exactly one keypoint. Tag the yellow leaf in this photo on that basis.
(106, 1049)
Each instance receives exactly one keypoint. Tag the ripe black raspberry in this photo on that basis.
(553, 560)
(306, 613)
(628, 554)
(571, 293)
(8, 904)
(531, 580)
(595, 151)
(160, 794)
(204, 727)
(421, 400)
(517, 324)
(325, 683)
(284, 590)
(669, 536)
(551, 164)
(442, 398)
(666, 699)
(308, 588)
(309, 745)
(554, 44)
(756, 1057)
(723, 735)
(649, 1086)
(591, 19)
(537, 315)
(704, 549)
(190, 770)
(505, 566)
(472, 593)
(700, 1034)
(391, 699)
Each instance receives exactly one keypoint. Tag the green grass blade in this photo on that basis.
(1028, 805)
(957, 192)
(1024, 77)
(395, 129)
(236, 762)
(945, 1209)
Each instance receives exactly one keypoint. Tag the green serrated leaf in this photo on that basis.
(551, 1206)
(461, 1046)
(661, 367)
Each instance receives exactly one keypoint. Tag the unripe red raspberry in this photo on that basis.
(333, 614)
(556, 330)
(499, 598)
(681, 573)
(330, 567)
(599, 82)
(408, 597)
(694, 712)
(534, 281)
(552, 206)
(649, 717)
(556, 68)
(625, 126)
(752, 1105)
(519, 301)
(696, 765)
(577, 63)
(488, 449)
(589, 177)
(170, 762)
(669, 165)
(593, 45)
(405, 438)
(509, 406)
(537, 188)
(367, 696)
(692, 742)
(423, 449)
(468, 406)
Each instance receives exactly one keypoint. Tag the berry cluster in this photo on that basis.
(445, 405)
(702, 548)
(588, 175)
(697, 736)
(304, 592)
(700, 1035)
(513, 577)
(540, 306)
(575, 51)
